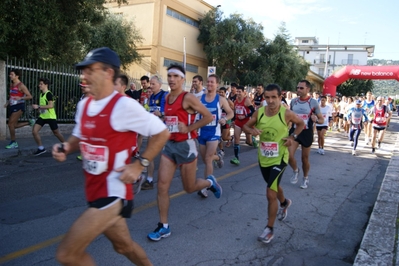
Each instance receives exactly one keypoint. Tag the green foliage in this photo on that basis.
(241, 54)
(119, 35)
(354, 87)
(56, 31)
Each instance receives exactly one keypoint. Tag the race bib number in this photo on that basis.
(172, 123)
(356, 119)
(269, 149)
(305, 119)
(213, 122)
(13, 102)
(95, 158)
(380, 119)
(43, 111)
(154, 108)
(239, 110)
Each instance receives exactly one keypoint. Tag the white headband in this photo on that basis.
(176, 71)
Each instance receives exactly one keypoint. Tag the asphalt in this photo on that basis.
(380, 241)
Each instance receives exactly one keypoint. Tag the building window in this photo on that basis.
(305, 41)
(189, 67)
(181, 17)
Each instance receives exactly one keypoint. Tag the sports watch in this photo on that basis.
(294, 135)
(144, 162)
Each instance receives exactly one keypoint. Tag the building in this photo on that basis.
(164, 25)
(325, 61)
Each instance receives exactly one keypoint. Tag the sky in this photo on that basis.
(355, 22)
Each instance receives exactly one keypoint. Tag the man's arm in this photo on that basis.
(250, 128)
(225, 105)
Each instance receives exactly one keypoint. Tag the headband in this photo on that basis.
(176, 71)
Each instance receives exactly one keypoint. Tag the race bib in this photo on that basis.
(43, 111)
(154, 108)
(95, 158)
(239, 110)
(13, 102)
(172, 123)
(356, 119)
(305, 119)
(213, 122)
(380, 119)
(269, 149)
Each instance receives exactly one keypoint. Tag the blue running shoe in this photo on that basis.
(159, 232)
(215, 188)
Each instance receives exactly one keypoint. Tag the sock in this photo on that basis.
(305, 177)
(236, 150)
(283, 204)
(270, 227)
(297, 170)
(211, 182)
(150, 178)
(41, 147)
(165, 225)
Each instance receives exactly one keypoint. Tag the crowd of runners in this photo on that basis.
(181, 126)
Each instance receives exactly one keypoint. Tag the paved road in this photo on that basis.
(39, 200)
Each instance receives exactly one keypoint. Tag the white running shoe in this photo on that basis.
(294, 177)
(322, 151)
(353, 152)
(305, 183)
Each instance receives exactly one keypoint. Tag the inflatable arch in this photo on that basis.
(358, 72)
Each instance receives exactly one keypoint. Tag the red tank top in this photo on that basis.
(380, 116)
(241, 110)
(15, 92)
(103, 150)
(174, 113)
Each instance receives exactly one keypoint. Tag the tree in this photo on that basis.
(227, 41)
(354, 87)
(117, 34)
(55, 31)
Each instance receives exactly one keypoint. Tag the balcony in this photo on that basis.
(350, 62)
(320, 61)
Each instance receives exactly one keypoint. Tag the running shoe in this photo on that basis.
(235, 161)
(255, 143)
(321, 151)
(221, 154)
(203, 193)
(12, 145)
(39, 151)
(305, 183)
(294, 177)
(266, 236)
(353, 152)
(137, 186)
(32, 122)
(379, 144)
(372, 150)
(159, 232)
(352, 143)
(220, 162)
(215, 187)
(147, 185)
(283, 212)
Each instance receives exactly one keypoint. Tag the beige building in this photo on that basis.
(163, 26)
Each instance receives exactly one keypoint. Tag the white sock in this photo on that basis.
(165, 225)
(211, 182)
(150, 178)
(41, 147)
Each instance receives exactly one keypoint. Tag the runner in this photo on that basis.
(243, 111)
(380, 113)
(308, 110)
(181, 149)
(225, 128)
(157, 108)
(47, 116)
(322, 128)
(258, 97)
(19, 93)
(354, 117)
(209, 135)
(271, 125)
(368, 104)
(105, 131)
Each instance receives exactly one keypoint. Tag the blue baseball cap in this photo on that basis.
(103, 55)
(358, 102)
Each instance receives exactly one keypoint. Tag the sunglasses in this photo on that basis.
(300, 88)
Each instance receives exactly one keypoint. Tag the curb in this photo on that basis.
(378, 246)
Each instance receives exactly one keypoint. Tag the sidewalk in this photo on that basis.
(27, 145)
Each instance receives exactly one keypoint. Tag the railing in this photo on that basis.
(64, 86)
(350, 62)
(320, 61)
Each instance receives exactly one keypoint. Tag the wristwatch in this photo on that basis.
(294, 135)
(144, 162)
